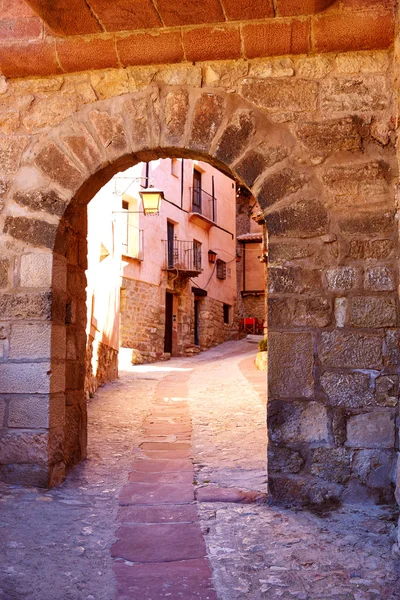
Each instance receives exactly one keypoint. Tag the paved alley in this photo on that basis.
(171, 503)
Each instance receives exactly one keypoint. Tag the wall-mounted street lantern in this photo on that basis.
(212, 256)
(238, 257)
(150, 196)
(151, 200)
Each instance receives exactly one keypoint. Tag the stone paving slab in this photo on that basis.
(154, 454)
(148, 543)
(174, 477)
(156, 493)
(175, 513)
(164, 466)
(186, 580)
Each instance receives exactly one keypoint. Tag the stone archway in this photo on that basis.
(332, 308)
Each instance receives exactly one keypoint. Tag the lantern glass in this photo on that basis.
(212, 256)
(151, 199)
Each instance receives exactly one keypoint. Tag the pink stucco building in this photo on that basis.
(163, 284)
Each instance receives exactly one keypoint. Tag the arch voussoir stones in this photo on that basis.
(331, 317)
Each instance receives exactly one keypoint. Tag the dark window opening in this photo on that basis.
(226, 313)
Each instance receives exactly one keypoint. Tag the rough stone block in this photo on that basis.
(37, 233)
(373, 311)
(340, 279)
(284, 460)
(26, 306)
(11, 150)
(291, 361)
(25, 474)
(36, 270)
(304, 491)
(4, 272)
(332, 464)
(29, 412)
(368, 223)
(257, 160)
(330, 136)
(350, 350)
(366, 249)
(392, 348)
(23, 447)
(137, 123)
(340, 311)
(111, 132)
(297, 422)
(83, 147)
(352, 390)
(236, 137)
(30, 340)
(387, 390)
(354, 95)
(310, 312)
(304, 219)
(279, 185)
(369, 179)
(58, 167)
(22, 378)
(374, 468)
(371, 430)
(39, 200)
(208, 115)
(293, 280)
(176, 106)
(379, 279)
(297, 95)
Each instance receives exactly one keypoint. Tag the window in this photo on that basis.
(221, 269)
(226, 308)
(145, 181)
(130, 235)
(196, 191)
(197, 255)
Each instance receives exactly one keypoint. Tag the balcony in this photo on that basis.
(182, 256)
(204, 208)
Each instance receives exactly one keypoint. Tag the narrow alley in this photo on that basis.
(171, 503)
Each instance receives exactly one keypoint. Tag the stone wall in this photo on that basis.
(101, 365)
(142, 322)
(213, 330)
(313, 139)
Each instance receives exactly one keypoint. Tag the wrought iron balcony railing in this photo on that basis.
(204, 204)
(183, 256)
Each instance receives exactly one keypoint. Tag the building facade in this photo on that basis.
(177, 292)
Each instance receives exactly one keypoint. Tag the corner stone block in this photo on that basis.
(374, 468)
(26, 306)
(30, 475)
(36, 270)
(236, 136)
(291, 362)
(111, 132)
(176, 106)
(350, 350)
(304, 219)
(30, 340)
(25, 378)
(297, 422)
(29, 412)
(24, 447)
(58, 168)
(207, 118)
(373, 311)
(371, 430)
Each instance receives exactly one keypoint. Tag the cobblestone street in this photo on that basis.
(171, 503)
